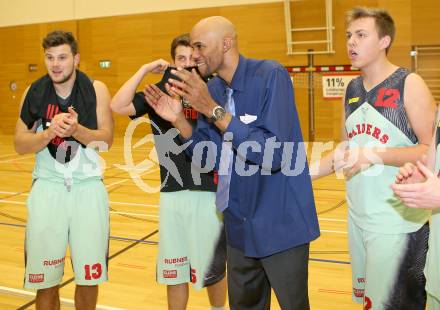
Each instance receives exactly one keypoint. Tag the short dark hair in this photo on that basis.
(383, 20)
(60, 37)
(182, 40)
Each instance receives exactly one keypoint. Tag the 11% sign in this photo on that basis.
(334, 84)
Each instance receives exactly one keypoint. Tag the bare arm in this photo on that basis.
(28, 140)
(410, 173)
(322, 167)
(420, 108)
(432, 147)
(122, 101)
(104, 118)
(327, 164)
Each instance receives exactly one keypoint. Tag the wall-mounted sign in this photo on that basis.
(32, 67)
(334, 84)
(105, 64)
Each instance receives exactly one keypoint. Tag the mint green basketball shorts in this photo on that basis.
(433, 302)
(387, 269)
(57, 218)
(192, 243)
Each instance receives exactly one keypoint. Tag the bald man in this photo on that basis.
(247, 117)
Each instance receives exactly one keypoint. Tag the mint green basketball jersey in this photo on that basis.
(377, 118)
(85, 165)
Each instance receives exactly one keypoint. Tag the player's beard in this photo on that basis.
(204, 71)
(66, 78)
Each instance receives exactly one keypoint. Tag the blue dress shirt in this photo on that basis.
(269, 210)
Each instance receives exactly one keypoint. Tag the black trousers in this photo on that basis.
(250, 279)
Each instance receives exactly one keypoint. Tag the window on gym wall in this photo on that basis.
(426, 63)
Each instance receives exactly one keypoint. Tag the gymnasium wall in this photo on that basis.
(29, 11)
(131, 40)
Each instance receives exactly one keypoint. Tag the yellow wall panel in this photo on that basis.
(425, 22)
(129, 41)
(21, 12)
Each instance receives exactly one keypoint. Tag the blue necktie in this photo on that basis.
(224, 180)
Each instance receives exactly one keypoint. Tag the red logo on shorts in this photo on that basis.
(193, 276)
(368, 304)
(54, 262)
(36, 278)
(170, 274)
(358, 292)
(171, 261)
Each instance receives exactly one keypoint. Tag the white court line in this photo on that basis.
(16, 159)
(111, 212)
(114, 212)
(132, 204)
(155, 216)
(331, 220)
(117, 182)
(111, 202)
(6, 155)
(13, 202)
(117, 165)
(151, 215)
(155, 205)
(134, 214)
(334, 231)
(64, 301)
(8, 193)
(23, 163)
(128, 179)
(138, 148)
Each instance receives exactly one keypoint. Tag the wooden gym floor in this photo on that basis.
(134, 236)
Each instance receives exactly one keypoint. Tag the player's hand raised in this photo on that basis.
(165, 106)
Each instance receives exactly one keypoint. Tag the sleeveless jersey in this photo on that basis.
(377, 118)
(85, 164)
